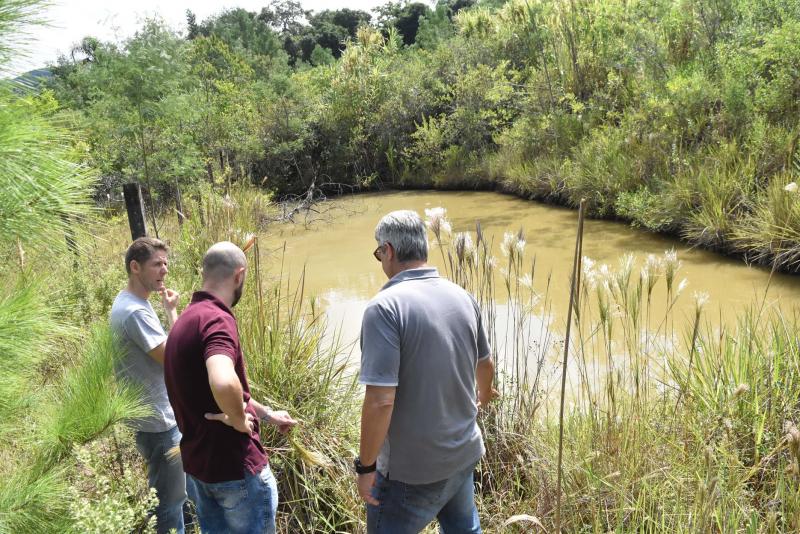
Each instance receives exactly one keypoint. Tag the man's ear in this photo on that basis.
(135, 267)
(240, 272)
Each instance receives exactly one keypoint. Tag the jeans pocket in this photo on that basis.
(424, 496)
(229, 495)
(379, 486)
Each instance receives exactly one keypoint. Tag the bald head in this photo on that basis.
(222, 261)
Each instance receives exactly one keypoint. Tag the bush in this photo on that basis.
(109, 491)
(771, 233)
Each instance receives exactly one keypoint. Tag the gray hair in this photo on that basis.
(406, 232)
(222, 260)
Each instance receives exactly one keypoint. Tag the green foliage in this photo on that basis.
(624, 104)
(776, 64)
(55, 393)
(25, 324)
(771, 233)
(602, 171)
(108, 492)
(677, 115)
(242, 30)
(723, 187)
(321, 56)
(434, 28)
(223, 115)
(42, 191)
(15, 15)
(88, 400)
(33, 502)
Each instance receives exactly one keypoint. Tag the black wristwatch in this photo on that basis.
(362, 469)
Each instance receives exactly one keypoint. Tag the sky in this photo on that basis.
(112, 20)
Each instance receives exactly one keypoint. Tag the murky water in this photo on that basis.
(336, 252)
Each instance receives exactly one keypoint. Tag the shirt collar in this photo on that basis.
(200, 296)
(420, 273)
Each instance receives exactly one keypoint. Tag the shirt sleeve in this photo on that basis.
(218, 338)
(484, 350)
(380, 347)
(144, 330)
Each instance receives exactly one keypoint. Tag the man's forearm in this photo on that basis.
(484, 376)
(261, 411)
(172, 316)
(228, 395)
(376, 414)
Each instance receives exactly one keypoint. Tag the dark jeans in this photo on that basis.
(246, 506)
(166, 476)
(409, 508)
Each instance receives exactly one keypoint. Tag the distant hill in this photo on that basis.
(33, 79)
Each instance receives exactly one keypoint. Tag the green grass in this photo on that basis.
(683, 429)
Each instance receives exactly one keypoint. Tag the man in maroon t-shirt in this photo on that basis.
(228, 474)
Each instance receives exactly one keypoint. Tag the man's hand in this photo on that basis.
(244, 426)
(484, 376)
(169, 297)
(281, 419)
(365, 484)
(485, 398)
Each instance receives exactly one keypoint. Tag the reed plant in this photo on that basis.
(294, 361)
(669, 425)
(673, 425)
(771, 234)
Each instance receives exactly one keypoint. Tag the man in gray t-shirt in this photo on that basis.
(424, 350)
(142, 340)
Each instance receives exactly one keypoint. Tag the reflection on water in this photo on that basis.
(340, 270)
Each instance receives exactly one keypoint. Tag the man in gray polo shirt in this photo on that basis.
(142, 340)
(423, 351)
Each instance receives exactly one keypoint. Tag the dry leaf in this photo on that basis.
(523, 517)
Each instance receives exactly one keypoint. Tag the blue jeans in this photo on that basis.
(245, 506)
(409, 508)
(166, 476)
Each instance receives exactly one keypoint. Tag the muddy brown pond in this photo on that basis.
(336, 252)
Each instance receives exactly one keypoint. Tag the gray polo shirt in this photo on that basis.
(424, 335)
(138, 329)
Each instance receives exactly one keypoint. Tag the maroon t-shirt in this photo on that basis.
(211, 451)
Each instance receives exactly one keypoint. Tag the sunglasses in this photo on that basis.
(378, 252)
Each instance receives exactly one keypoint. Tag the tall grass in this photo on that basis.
(670, 425)
(674, 426)
(293, 364)
(771, 233)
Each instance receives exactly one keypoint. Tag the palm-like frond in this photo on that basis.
(14, 16)
(42, 192)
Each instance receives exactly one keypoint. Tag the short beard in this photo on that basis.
(237, 294)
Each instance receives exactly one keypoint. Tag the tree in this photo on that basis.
(127, 98)
(224, 119)
(436, 27)
(330, 29)
(321, 56)
(285, 16)
(404, 17)
(192, 28)
(349, 19)
(242, 29)
(407, 22)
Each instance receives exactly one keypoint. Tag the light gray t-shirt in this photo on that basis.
(137, 326)
(424, 335)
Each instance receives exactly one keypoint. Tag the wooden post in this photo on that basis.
(135, 208)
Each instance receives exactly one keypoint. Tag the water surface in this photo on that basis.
(336, 252)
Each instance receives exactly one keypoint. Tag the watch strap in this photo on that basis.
(362, 469)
